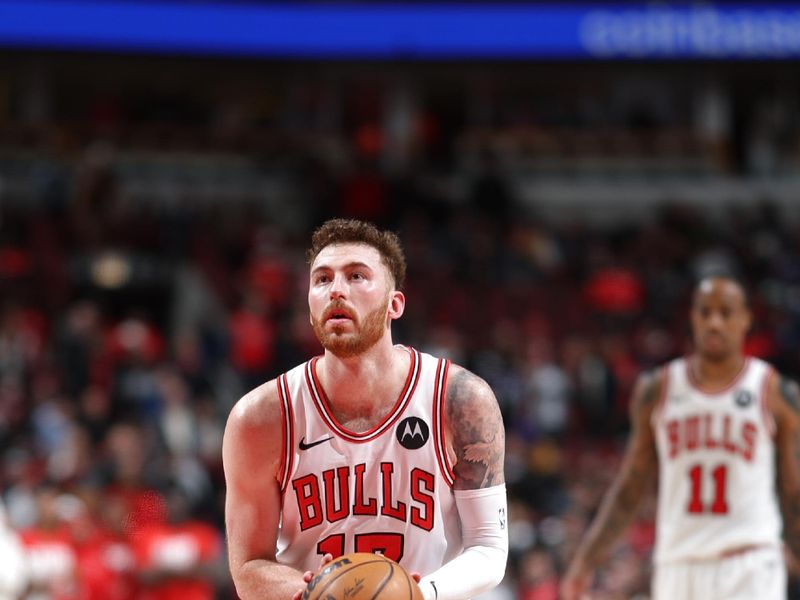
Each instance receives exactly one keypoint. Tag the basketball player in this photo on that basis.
(371, 447)
(722, 431)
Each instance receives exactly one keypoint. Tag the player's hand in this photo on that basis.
(575, 584)
(309, 575)
(428, 591)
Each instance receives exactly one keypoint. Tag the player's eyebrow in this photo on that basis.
(347, 267)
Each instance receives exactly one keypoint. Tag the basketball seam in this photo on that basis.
(408, 583)
(384, 582)
(344, 572)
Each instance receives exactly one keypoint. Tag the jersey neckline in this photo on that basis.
(696, 385)
(322, 403)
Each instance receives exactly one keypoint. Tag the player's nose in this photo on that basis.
(338, 287)
(715, 321)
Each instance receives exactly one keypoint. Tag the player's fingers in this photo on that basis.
(297, 595)
(309, 575)
(415, 576)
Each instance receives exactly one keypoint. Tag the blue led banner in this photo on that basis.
(403, 31)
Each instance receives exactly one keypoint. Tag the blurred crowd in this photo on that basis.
(128, 329)
(120, 358)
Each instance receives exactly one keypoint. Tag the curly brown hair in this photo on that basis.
(352, 231)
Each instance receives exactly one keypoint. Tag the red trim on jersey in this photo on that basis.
(439, 391)
(284, 434)
(697, 386)
(769, 419)
(662, 396)
(437, 418)
(287, 431)
(322, 403)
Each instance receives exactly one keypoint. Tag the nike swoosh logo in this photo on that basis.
(304, 446)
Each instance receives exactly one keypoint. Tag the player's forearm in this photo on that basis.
(261, 579)
(474, 571)
(482, 564)
(790, 507)
(615, 514)
(787, 397)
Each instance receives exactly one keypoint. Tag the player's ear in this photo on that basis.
(397, 304)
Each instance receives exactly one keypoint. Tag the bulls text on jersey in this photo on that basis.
(711, 431)
(330, 500)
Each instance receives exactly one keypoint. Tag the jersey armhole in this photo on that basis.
(439, 395)
(287, 432)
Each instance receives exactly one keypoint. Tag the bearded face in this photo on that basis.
(350, 299)
(348, 336)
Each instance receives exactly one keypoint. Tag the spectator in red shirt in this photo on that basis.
(50, 549)
(106, 564)
(252, 339)
(538, 578)
(181, 559)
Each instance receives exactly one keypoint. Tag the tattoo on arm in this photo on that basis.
(639, 467)
(478, 437)
(789, 467)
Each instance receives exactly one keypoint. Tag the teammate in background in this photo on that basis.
(370, 447)
(721, 429)
(14, 571)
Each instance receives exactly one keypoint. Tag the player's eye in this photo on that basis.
(322, 278)
(357, 276)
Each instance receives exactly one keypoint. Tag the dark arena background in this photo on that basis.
(558, 173)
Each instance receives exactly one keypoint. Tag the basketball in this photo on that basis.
(362, 576)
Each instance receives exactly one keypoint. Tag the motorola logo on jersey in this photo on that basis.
(412, 433)
(743, 398)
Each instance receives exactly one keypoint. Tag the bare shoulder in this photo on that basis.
(642, 454)
(250, 443)
(646, 392)
(783, 398)
(464, 388)
(475, 429)
(260, 407)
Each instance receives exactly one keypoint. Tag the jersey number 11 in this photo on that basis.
(719, 506)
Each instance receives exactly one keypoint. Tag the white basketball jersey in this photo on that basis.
(386, 490)
(716, 465)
